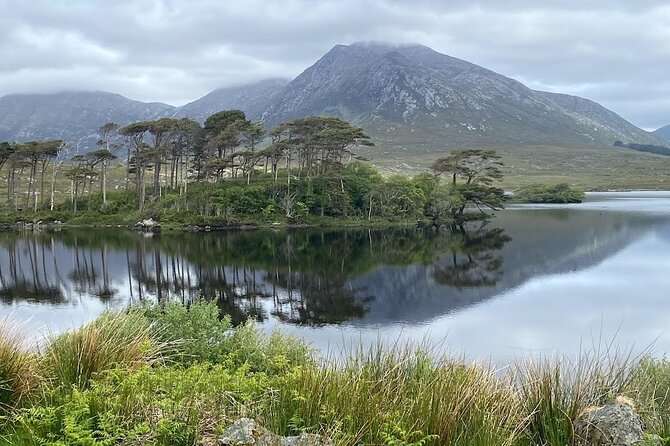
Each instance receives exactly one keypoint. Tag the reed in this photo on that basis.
(19, 376)
(398, 395)
(111, 341)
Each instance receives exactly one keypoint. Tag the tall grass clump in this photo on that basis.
(111, 341)
(19, 375)
(398, 396)
(554, 392)
(651, 384)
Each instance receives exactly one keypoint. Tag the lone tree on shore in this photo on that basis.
(473, 173)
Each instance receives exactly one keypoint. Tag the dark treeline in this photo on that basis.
(232, 170)
(648, 148)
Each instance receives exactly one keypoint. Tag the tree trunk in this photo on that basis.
(53, 186)
(74, 202)
(31, 186)
(104, 182)
(44, 168)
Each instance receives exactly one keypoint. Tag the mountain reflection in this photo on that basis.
(301, 277)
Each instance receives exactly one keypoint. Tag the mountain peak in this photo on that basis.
(411, 95)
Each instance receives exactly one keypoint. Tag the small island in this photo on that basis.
(545, 193)
(231, 173)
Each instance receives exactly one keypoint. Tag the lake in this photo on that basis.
(536, 279)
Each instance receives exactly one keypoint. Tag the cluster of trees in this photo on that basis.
(355, 189)
(231, 169)
(31, 158)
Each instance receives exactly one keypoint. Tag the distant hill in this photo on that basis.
(71, 116)
(664, 132)
(410, 99)
(253, 99)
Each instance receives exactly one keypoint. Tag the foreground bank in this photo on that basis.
(171, 376)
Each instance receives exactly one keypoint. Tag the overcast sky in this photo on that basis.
(174, 51)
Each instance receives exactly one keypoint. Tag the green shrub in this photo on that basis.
(544, 193)
(198, 334)
(151, 405)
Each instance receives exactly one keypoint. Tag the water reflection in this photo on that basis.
(319, 283)
(308, 276)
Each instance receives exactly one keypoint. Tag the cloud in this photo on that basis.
(614, 52)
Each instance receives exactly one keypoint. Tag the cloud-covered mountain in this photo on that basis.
(415, 97)
(410, 99)
(71, 116)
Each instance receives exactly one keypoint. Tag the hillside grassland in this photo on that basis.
(589, 168)
(170, 375)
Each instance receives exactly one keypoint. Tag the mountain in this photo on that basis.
(253, 99)
(410, 99)
(71, 116)
(416, 98)
(664, 132)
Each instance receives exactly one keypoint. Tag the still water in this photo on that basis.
(534, 280)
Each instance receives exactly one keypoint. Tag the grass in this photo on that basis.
(19, 377)
(585, 168)
(111, 341)
(103, 385)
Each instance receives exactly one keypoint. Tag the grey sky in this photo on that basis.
(174, 51)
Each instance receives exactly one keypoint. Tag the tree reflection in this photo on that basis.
(301, 277)
(23, 272)
(475, 260)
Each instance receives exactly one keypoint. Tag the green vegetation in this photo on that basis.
(545, 193)
(18, 369)
(228, 173)
(175, 376)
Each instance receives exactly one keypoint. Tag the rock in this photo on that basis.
(246, 432)
(147, 223)
(614, 424)
(193, 228)
(306, 440)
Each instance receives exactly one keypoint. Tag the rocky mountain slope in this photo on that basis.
(418, 99)
(253, 99)
(600, 119)
(664, 132)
